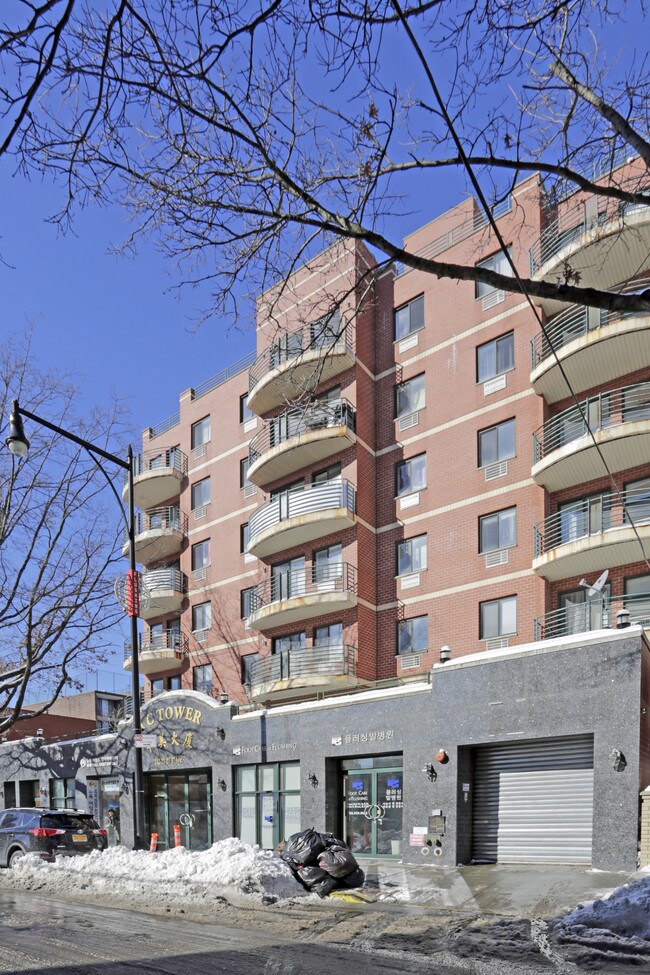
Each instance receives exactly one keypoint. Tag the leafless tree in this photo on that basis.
(60, 542)
(244, 136)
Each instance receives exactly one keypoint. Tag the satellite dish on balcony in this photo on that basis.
(127, 598)
(595, 588)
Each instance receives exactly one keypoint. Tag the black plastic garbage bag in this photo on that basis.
(338, 861)
(309, 876)
(330, 840)
(355, 879)
(325, 886)
(303, 847)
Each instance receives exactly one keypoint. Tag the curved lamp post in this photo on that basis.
(18, 444)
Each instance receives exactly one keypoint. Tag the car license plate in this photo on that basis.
(79, 838)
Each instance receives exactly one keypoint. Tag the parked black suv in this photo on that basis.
(48, 832)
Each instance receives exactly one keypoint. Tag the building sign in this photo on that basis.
(178, 712)
(272, 748)
(363, 737)
(416, 839)
(96, 762)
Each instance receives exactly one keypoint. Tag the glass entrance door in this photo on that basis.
(372, 805)
(183, 798)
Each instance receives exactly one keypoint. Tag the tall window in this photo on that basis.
(409, 396)
(328, 565)
(267, 802)
(248, 602)
(329, 636)
(495, 357)
(411, 475)
(157, 686)
(637, 501)
(244, 464)
(201, 555)
(412, 635)
(202, 678)
(292, 641)
(200, 432)
(201, 617)
(409, 318)
(496, 262)
(498, 530)
(412, 555)
(497, 617)
(637, 598)
(247, 664)
(496, 443)
(244, 537)
(62, 793)
(200, 493)
(244, 413)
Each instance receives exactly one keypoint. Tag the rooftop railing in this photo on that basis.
(577, 321)
(312, 580)
(595, 614)
(221, 377)
(333, 660)
(625, 405)
(322, 336)
(337, 493)
(316, 416)
(591, 516)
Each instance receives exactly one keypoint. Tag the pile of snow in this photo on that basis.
(230, 868)
(614, 929)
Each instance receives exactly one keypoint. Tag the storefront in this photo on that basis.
(373, 804)
(267, 800)
(182, 798)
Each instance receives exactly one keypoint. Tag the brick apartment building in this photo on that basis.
(399, 476)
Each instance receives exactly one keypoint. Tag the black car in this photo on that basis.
(49, 832)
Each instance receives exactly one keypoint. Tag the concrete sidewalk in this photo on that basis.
(516, 890)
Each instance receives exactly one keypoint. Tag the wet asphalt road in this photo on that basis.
(66, 938)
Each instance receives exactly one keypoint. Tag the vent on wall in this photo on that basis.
(493, 471)
(496, 558)
(249, 490)
(496, 643)
(200, 575)
(201, 636)
(200, 512)
(406, 422)
(493, 298)
(410, 661)
(200, 451)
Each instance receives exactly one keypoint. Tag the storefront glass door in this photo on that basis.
(184, 798)
(372, 805)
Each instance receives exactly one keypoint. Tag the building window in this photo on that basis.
(496, 262)
(409, 396)
(202, 678)
(201, 617)
(329, 474)
(248, 599)
(637, 501)
(412, 555)
(496, 443)
(498, 617)
(412, 635)
(174, 683)
(247, 664)
(200, 433)
(62, 794)
(200, 493)
(292, 641)
(244, 464)
(244, 537)
(267, 801)
(329, 636)
(637, 598)
(411, 475)
(108, 712)
(327, 566)
(245, 413)
(157, 686)
(495, 357)
(498, 530)
(201, 555)
(409, 318)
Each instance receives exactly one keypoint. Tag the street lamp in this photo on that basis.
(18, 444)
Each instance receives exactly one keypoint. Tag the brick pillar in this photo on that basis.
(645, 829)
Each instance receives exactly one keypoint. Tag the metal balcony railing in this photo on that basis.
(321, 336)
(163, 519)
(310, 581)
(167, 640)
(292, 423)
(333, 660)
(596, 614)
(159, 580)
(625, 405)
(591, 516)
(152, 460)
(571, 223)
(337, 493)
(577, 321)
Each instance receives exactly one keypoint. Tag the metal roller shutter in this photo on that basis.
(533, 801)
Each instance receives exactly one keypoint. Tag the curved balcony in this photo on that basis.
(597, 614)
(564, 453)
(165, 589)
(591, 535)
(298, 438)
(159, 534)
(305, 594)
(594, 346)
(157, 476)
(158, 655)
(600, 239)
(297, 360)
(296, 517)
(295, 672)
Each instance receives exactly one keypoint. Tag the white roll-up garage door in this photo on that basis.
(533, 801)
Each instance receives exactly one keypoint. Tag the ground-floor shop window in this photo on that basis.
(373, 797)
(181, 799)
(62, 794)
(268, 802)
(104, 804)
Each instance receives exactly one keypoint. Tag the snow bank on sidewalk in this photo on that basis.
(231, 868)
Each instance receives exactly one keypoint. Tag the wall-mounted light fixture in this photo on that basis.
(39, 732)
(622, 619)
(312, 779)
(432, 775)
(445, 654)
(220, 733)
(223, 697)
(221, 783)
(442, 756)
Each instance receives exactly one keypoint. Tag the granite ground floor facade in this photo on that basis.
(534, 754)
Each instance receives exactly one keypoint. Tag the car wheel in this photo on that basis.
(15, 857)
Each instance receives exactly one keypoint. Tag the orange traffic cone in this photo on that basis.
(153, 845)
(177, 834)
